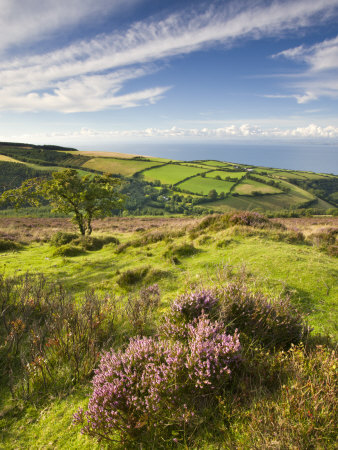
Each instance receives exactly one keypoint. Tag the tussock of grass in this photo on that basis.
(131, 277)
(9, 245)
(183, 250)
(68, 250)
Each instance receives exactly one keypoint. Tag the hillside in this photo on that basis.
(158, 186)
(123, 282)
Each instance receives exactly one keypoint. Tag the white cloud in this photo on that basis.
(83, 77)
(227, 132)
(320, 79)
(23, 21)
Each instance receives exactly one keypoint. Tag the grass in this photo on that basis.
(126, 167)
(257, 257)
(218, 164)
(9, 159)
(247, 187)
(224, 174)
(303, 270)
(171, 173)
(259, 203)
(203, 185)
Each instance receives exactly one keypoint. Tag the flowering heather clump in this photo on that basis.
(192, 305)
(155, 384)
(211, 351)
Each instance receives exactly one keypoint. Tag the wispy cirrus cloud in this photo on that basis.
(89, 75)
(320, 78)
(28, 21)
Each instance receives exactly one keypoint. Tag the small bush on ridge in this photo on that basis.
(68, 250)
(61, 238)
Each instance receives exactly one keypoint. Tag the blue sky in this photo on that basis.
(94, 72)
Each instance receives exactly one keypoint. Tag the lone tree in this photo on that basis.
(86, 198)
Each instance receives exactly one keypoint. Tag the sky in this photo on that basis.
(100, 72)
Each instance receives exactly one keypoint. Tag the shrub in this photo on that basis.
(68, 250)
(302, 413)
(156, 388)
(132, 276)
(218, 222)
(275, 323)
(140, 309)
(60, 238)
(224, 243)
(155, 275)
(49, 341)
(326, 240)
(192, 305)
(7, 244)
(180, 251)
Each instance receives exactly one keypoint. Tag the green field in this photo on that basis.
(203, 185)
(126, 167)
(261, 203)
(297, 189)
(171, 173)
(224, 174)
(217, 164)
(247, 187)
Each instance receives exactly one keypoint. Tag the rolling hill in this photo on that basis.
(190, 187)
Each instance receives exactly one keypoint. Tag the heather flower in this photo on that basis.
(192, 305)
(155, 384)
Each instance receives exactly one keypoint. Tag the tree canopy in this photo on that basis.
(86, 198)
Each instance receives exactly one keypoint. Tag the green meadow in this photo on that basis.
(249, 186)
(171, 173)
(124, 167)
(203, 185)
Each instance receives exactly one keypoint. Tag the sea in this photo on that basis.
(314, 157)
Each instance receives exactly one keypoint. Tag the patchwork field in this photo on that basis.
(203, 185)
(224, 174)
(171, 173)
(247, 187)
(296, 190)
(124, 167)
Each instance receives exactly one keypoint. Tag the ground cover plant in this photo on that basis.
(264, 278)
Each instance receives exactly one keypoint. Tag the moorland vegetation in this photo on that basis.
(165, 332)
(169, 333)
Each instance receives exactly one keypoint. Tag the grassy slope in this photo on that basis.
(223, 174)
(124, 167)
(275, 267)
(302, 269)
(247, 187)
(171, 173)
(200, 185)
